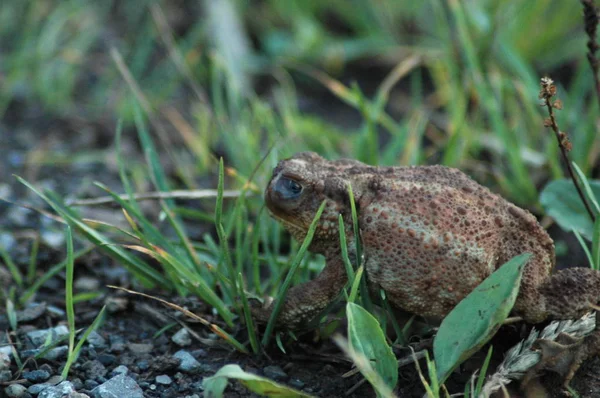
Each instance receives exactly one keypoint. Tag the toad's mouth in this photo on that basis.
(292, 227)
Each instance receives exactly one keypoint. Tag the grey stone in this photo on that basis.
(163, 379)
(188, 364)
(275, 372)
(94, 369)
(96, 340)
(143, 365)
(182, 338)
(121, 369)
(37, 388)
(117, 387)
(296, 383)
(140, 349)
(6, 350)
(57, 353)
(15, 391)
(54, 239)
(38, 337)
(86, 283)
(57, 391)
(5, 375)
(4, 361)
(32, 312)
(36, 376)
(107, 359)
(54, 380)
(77, 395)
(55, 312)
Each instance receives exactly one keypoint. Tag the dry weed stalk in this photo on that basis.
(547, 92)
(590, 22)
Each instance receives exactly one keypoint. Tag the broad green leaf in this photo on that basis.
(367, 338)
(477, 317)
(561, 201)
(215, 386)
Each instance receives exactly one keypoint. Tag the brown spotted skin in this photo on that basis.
(430, 235)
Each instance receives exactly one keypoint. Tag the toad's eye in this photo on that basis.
(288, 188)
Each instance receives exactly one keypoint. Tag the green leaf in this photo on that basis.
(215, 386)
(477, 317)
(367, 338)
(561, 202)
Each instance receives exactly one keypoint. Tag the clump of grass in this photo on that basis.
(74, 350)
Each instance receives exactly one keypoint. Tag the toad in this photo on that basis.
(430, 235)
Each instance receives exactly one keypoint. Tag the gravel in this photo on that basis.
(117, 387)
(164, 380)
(36, 376)
(15, 391)
(57, 391)
(188, 364)
(182, 338)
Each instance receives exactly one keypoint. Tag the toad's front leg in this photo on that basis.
(305, 301)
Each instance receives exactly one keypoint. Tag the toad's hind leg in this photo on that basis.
(568, 294)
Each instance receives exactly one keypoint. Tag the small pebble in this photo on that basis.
(38, 337)
(296, 383)
(163, 379)
(188, 364)
(90, 384)
(37, 388)
(106, 359)
(36, 376)
(140, 349)
(57, 391)
(57, 353)
(118, 386)
(94, 369)
(55, 312)
(15, 391)
(96, 340)
(4, 361)
(275, 372)
(86, 283)
(182, 338)
(5, 375)
(143, 365)
(121, 369)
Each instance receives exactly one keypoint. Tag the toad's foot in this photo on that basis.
(563, 356)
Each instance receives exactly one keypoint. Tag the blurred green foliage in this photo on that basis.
(471, 97)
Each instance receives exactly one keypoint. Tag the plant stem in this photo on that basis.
(563, 150)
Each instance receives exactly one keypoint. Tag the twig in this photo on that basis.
(548, 91)
(590, 21)
(181, 194)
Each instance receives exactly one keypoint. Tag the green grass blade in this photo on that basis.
(69, 306)
(32, 268)
(12, 267)
(250, 327)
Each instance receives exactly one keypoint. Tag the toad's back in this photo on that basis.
(431, 234)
